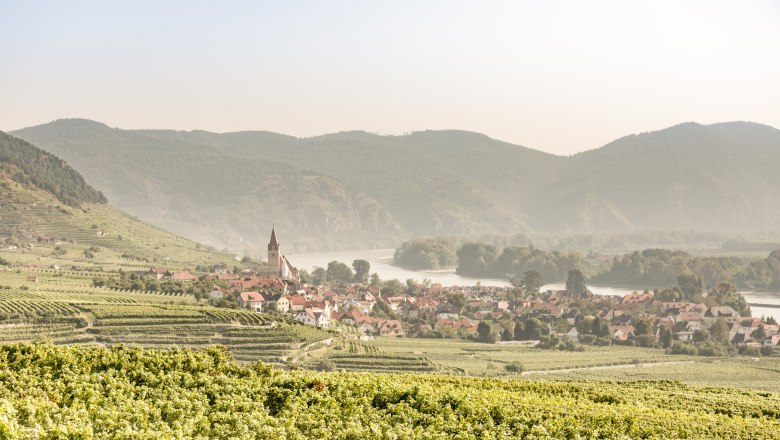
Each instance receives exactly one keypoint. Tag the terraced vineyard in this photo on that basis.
(63, 306)
(121, 240)
(357, 356)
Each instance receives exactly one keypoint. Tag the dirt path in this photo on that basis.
(607, 367)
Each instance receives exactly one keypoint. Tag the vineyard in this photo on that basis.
(64, 307)
(121, 240)
(80, 392)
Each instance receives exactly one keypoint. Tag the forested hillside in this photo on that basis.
(26, 164)
(47, 210)
(356, 189)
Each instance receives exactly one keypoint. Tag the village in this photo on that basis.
(434, 311)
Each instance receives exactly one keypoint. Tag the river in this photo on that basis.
(381, 262)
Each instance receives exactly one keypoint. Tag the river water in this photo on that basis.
(381, 262)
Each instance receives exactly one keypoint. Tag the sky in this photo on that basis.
(559, 76)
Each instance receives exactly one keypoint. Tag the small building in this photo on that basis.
(251, 300)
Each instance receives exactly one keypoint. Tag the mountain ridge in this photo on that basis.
(368, 190)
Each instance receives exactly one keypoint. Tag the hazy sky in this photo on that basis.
(557, 76)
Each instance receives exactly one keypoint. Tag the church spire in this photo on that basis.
(273, 245)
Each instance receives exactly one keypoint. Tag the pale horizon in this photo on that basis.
(553, 76)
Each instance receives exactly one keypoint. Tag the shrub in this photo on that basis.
(678, 347)
(514, 367)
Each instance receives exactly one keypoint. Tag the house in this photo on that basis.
(216, 294)
(297, 303)
(621, 332)
(180, 276)
(683, 330)
(221, 269)
(572, 335)
(638, 298)
(367, 328)
(283, 304)
(314, 317)
(251, 300)
(690, 316)
(726, 312)
(390, 328)
(157, 272)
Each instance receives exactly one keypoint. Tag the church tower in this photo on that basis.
(274, 261)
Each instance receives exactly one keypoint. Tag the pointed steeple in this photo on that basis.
(273, 245)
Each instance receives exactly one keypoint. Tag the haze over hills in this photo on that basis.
(42, 196)
(355, 189)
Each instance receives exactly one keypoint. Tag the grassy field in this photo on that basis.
(478, 359)
(739, 371)
(595, 363)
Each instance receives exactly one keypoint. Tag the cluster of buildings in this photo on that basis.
(428, 308)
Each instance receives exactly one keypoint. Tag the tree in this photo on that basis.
(643, 327)
(476, 259)
(361, 268)
(458, 300)
(514, 367)
(318, 276)
(726, 294)
(719, 330)
(338, 271)
(532, 281)
(690, 284)
(759, 334)
(375, 280)
(485, 332)
(599, 328)
(665, 336)
(700, 336)
(576, 282)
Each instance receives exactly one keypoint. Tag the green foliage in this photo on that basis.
(485, 332)
(576, 281)
(204, 394)
(339, 272)
(514, 367)
(659, 267)
(361, 268)
(476, 259)
(532, 281)
(678, 347)
(425, 254)
(47, 172)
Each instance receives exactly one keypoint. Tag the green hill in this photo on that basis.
(41, 227)
(356, 189)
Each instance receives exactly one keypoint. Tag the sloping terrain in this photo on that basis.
(356, 189)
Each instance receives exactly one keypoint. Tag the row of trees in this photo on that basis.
(338, 272)
(480, 259)
(199, 288)
(660, 267)
(425, 255)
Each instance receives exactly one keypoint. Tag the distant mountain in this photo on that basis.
(41, 196)
(355, 189)
(722, 177)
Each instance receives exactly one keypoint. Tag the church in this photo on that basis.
(278, 264)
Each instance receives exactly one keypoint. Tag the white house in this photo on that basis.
(314, 317)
